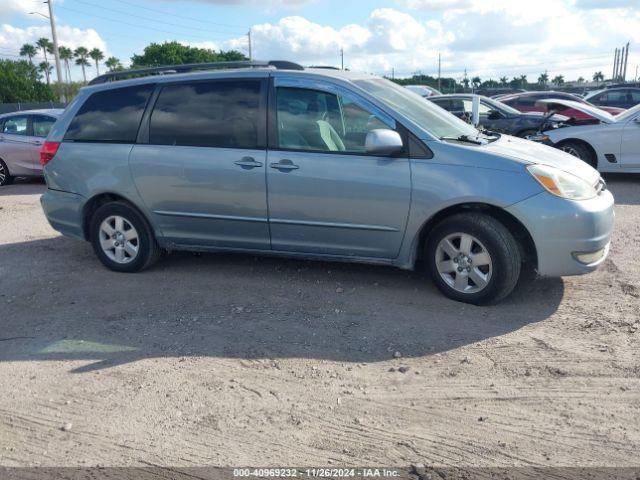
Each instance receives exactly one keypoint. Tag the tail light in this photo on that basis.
(48, 151)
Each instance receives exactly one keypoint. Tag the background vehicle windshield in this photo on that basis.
(502, 107)
(432, 118)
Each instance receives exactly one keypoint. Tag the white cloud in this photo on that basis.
(12, 38)
(8, 7)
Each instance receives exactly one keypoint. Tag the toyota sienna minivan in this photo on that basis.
(273, 158)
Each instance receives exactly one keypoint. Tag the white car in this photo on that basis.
(611, 145)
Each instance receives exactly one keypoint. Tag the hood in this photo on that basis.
(538, 116)
(595, 112)
(527, 153)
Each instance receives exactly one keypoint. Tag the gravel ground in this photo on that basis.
(241, 360)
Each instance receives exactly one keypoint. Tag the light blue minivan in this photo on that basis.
(325, 164)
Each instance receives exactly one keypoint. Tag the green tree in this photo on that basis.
(66, 54)
(174, 53)
(45, 68)
(96, 55)
(476, 82)
(504, 81)
(113, 64)
(28, 50)
(543, 79)
(20, 82)
(523, 81)
(598, 77)
(81, 54)
(46, 46)
(558, 80)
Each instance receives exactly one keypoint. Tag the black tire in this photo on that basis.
(580, 150)
(5, 177)
(148, 250)
(500, 245)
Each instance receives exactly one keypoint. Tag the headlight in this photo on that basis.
(561, 183)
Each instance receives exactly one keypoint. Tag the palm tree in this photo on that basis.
(46, 45)
(66, 54)
(543, 79)
(476, 82)
(46, 69)
(28, 50)
(558, 80)
(81, 54)
(97, 55)
(580, 79)
(113, 64)
(504, 81)
(598, 77)
(523, 81)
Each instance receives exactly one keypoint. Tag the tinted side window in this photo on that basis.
(42, 125)
(15, 125)
(528, 101)
(110, 115)
(224, 114)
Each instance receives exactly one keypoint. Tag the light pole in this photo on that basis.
(56, 54)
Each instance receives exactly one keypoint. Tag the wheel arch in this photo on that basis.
(100, 199)
(594, 154)
(521, 234)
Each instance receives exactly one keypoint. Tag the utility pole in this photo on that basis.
(439, 80)
(615, 65)
(626, 59)
(56, 54)
(393, 73)
(250, 52)
(342, 58)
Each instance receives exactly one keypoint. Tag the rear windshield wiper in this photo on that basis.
(463, 138)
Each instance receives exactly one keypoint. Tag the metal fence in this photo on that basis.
(15, 107)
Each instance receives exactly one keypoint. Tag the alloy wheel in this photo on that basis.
(463, 263)
(119, 239)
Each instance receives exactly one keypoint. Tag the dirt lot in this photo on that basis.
(239, 360)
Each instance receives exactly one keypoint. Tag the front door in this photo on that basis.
(326, 194)
(202, 173)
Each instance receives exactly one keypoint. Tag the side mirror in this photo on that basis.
(383, 142)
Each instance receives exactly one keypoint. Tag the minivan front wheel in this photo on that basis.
(122, 238)
(473, 258)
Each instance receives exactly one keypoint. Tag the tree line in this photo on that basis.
(449, 85)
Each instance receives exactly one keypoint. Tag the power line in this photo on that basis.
(122, 22)
(165, 12)
(152, 19)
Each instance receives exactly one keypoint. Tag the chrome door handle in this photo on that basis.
(284, 165)
(248, 162)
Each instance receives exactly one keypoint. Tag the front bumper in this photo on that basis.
(565, 231)
(64, 211)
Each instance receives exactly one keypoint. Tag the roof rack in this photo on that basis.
(190, 67)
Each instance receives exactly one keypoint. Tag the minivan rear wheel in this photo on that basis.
(5, 177)
(473, 258)
(122, 238)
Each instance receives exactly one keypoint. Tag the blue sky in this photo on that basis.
(489, 38)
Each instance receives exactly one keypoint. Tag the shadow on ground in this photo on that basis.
(59, 303)
(24, 186)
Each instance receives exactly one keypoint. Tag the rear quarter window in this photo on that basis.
(110, 116)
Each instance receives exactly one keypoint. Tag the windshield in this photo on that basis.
(627, 114)
(435, 120)
(503, 107)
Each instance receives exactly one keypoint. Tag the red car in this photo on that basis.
(526, 102)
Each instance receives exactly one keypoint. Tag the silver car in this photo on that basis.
(21, 136)
(325, 164)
